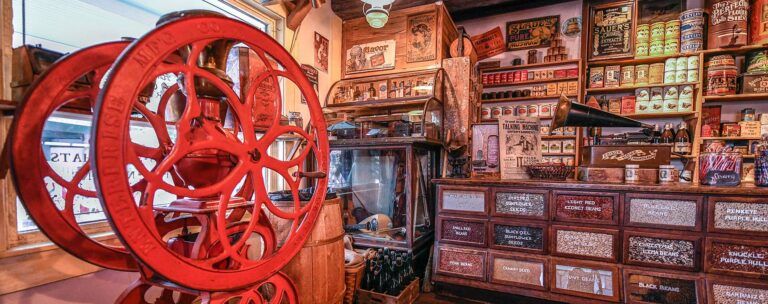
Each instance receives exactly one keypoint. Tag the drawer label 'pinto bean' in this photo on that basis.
(738, 258)
(524, 237)
(462, 262)
(722, 293)
(585, 280)
(463, 231)
(741, 216)
(681, 253)
(582, 243)
(518, 203)
(516, 271)
(457, 200)
(656, 289)
(662, 212)
(585, 207)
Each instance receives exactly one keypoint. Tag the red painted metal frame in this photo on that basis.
(140, 63)
(29, 166)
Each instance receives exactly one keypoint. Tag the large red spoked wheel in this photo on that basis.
(249, 153)
(63, 84)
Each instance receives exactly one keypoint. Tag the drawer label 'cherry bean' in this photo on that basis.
(517, 203)
(464, 263)
(662, 212)
(519, 236)
(465, 231)
(464, 200)
(585, 207)
(515, 271)
(741, 216)
(585, 243)
(738, 258)
(662, 290)
(728, 294)
(585, 280)
(662, 251)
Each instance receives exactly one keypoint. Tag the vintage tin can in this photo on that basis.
(537, 75)
(485, 79)
(630, 173)
(757, 61)
(641, 49)
(567, 131)
(569, 161)
(495, 112)
(544, 129)
(759, 22)
(508, 110)
(685, 104)
(672, 29)
(692, 75)
(670, 65)
(612, 76)
(670, 77)
(681, 76)
(671, 47)
(657, 31)
(671, 98)
(628, 75)
(656, 48)
(642, 106)
(569, 146)
(628, 104)
(656, 73)
(518, 76)
(533, 110)
(641, 74)
(728, 23)
(681, 64)
(666, 173)
(642, 100)
(686, 92)
(721, 75)
(596, 77)
(545, 110)
(693, 62)
(485, 113)
(691, 46)
(497, 78)
(555, 160)
(693, 14)
(657, 100)
(544, 149)
(555, 146)
(521, 110)
(643, 33)
(755, 82)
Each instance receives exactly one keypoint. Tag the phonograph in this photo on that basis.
(605, 158)
(214, 139)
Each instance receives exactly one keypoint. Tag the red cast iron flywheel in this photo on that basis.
(247, 147)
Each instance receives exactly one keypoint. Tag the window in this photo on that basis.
(59, 25)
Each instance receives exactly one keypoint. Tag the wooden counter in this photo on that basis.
(582, 242)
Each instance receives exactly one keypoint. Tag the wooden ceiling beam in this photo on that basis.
(460, 9)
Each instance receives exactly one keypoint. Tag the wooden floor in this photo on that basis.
(450, 294)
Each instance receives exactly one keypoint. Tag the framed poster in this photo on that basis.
(532, 33)
(611, 33)
(321, 52)
(373, 56)
(421, 38)
(311, 74)
(485, 149)
(489, 44)
(520, 145)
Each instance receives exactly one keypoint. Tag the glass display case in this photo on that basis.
(387, 198)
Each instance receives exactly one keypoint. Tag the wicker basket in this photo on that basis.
(353, 275)
(550, 172)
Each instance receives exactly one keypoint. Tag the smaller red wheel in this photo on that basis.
(278, 289)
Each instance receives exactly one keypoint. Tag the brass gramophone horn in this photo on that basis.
(571, 114)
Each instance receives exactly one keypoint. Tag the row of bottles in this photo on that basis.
(374, 91)
(680, 139)
(388, 272)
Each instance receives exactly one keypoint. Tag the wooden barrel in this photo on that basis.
(318, 269)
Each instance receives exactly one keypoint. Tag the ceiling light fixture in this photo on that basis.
(377, 14)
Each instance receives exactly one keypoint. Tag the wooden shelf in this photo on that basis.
(736, 97)
(530, 66)
(558, 137)
(632, 88)
(516, 99)
(659, 115)
(732, 138)
(558, 154)
(638, 60)
(735, 51)
(7, 104)
(519, 83)
(380, 104)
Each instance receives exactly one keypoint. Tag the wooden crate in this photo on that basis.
(407, 296)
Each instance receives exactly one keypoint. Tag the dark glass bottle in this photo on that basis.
(669, 135)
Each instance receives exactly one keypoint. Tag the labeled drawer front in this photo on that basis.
(655, 250)
(586, 280)
(463, 231)
(736, 292)
(461, 262)
(461, 200)
(520, 203)
(737, 257)
(519, 236)
(738, 215)
(662, 211)
(661, 288)
(586, 207)
(577, 242)
(520, 271)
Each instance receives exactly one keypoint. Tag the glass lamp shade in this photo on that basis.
(376, 17)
